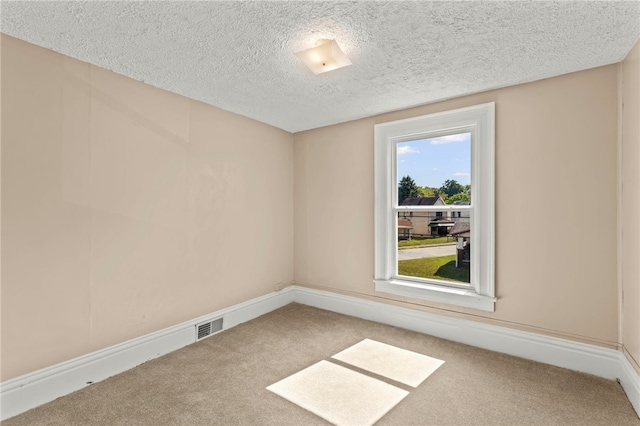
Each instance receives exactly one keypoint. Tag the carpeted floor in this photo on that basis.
(223, 380)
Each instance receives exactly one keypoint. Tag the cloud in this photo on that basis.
(435, 169)
(461, 174)
(407, 149)
(462, 137)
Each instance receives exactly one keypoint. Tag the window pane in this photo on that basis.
(431, 172)
(435, 246)
(435, 170)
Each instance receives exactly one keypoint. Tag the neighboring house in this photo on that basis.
(432, 223)
(405, 229)
(463, 215)
(423, 201)
(462, 232)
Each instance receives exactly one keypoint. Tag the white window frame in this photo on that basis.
(479, 120)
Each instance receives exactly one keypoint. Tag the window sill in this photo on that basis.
(435, 293)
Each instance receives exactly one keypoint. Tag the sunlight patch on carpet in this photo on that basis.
(339, 395)
(397, 364)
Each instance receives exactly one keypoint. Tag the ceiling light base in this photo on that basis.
(325, 56)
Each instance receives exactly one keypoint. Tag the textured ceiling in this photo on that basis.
(240, 57)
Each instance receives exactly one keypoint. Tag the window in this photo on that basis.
(440, 167)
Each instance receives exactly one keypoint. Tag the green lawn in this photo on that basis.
(441, 268)
(423, 241)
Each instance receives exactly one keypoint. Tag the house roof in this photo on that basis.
(442, 219)
(460, 228)
(404, 223)
(420, 201)
(239, 55)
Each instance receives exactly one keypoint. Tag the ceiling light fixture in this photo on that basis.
(324, 56)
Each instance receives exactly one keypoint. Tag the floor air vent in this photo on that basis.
(208, 328)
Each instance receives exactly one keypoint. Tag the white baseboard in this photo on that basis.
(33, 389)
(630, 381)
(602, 362)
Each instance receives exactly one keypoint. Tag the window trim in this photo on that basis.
(480, 120)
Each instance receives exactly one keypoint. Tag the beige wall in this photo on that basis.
(630, 205)
(556, 206)
(125, 208)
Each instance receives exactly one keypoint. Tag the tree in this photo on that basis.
(439, 193)
(461, 196)
(451, 187)
(428, 192)
(407, 189)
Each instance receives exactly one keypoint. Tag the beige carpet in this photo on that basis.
(394, 363)
(339, 395)
(222, 380)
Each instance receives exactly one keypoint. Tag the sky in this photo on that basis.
(432, 161)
